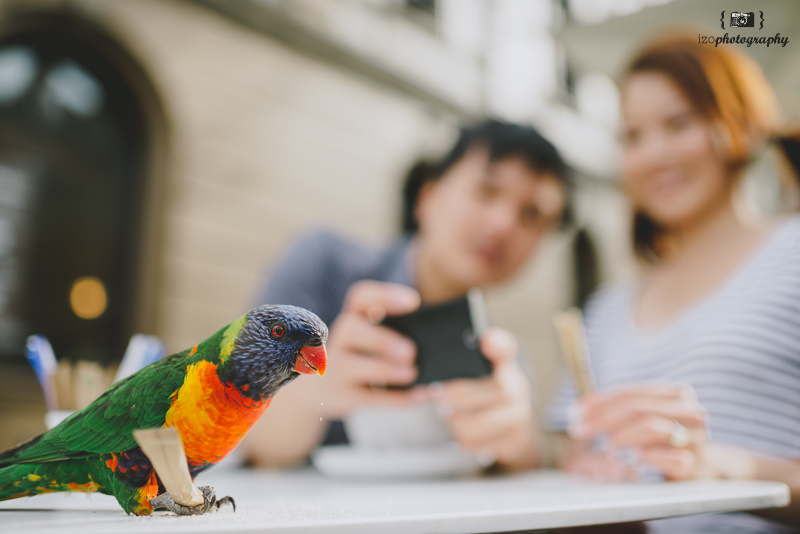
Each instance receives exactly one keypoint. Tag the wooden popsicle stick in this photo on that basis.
(572, 337)
(64, 389)
(164, 448)
(89, 383)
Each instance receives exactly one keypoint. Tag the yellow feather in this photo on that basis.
(229, 337)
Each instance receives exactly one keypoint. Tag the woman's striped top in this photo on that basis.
(739, 347)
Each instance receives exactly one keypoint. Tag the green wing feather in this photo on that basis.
(139, 401)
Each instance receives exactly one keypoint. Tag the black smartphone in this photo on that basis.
(447, 336)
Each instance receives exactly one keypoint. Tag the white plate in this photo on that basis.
(363, 463)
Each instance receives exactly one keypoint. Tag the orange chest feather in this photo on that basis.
(212, 418)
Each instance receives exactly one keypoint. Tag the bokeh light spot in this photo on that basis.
(88, 297)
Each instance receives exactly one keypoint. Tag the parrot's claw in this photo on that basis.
(226, 500)
(165, 502)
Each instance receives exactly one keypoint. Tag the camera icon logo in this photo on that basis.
(742, 20)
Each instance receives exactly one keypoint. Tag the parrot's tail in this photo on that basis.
(10, 456)
(23, 480)
(20, 480)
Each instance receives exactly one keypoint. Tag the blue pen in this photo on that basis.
(142, 351)
(40, 353)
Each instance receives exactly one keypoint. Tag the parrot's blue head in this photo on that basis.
(275, 344)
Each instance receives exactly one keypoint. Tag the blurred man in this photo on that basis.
(472, 220)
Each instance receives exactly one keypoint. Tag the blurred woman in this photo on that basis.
(697, 362)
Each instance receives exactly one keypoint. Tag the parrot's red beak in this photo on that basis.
(311, 360)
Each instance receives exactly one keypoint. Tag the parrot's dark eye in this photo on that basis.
(277, 330)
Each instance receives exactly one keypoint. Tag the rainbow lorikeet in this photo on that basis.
(212, 393)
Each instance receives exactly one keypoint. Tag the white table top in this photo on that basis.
(305, 501)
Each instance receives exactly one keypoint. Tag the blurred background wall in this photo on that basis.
(157, 156)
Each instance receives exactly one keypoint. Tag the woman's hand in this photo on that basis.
(643, 419)
(493, 416)
(663, 424)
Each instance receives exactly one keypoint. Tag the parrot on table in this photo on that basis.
(212, 394)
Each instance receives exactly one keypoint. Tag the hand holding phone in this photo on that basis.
(447, 338)
(489, 414)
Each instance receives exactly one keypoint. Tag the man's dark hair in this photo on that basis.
(502, 140)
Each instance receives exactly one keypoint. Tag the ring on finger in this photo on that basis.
(679, 435)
